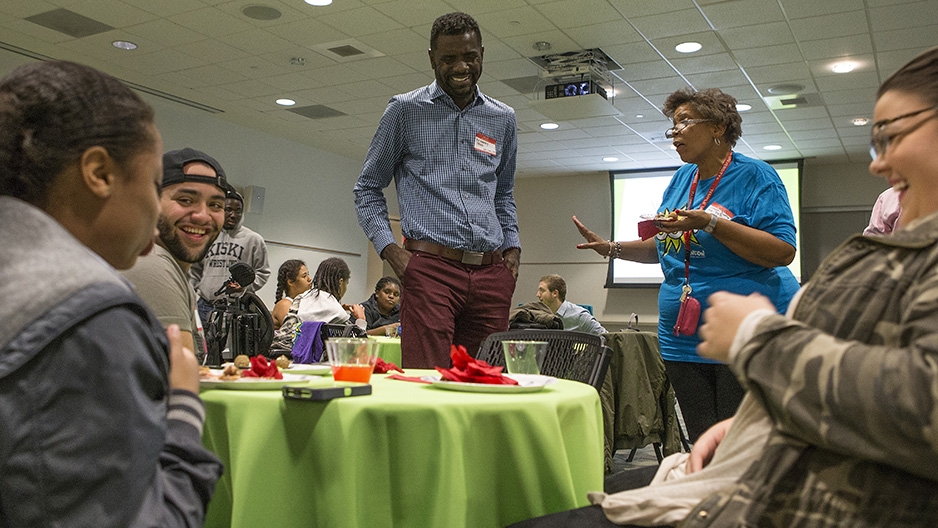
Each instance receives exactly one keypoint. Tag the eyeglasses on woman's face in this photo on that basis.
(880, 140)
(680, 126)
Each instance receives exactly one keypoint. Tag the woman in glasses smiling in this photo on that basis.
(840, 421)
(724, 224)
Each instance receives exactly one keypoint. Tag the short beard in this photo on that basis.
(171, 242)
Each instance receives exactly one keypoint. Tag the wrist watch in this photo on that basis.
(712, 225)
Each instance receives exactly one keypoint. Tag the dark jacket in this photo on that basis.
(374, 316)
(90, 434)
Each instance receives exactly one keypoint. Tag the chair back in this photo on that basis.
(570, 355)
(341, 330)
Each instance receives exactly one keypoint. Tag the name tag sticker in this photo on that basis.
(485, 144)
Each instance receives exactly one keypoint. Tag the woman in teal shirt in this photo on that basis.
(732, 212)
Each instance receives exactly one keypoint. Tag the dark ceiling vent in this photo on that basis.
(316, 111)
(346, 51)
(69, 22)
(792, 101)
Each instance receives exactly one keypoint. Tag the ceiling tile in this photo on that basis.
(362, 21)
(905, 16)
(670, 24)
(395, 41)
(740, 13)
(758, 35)
(613, 32)
(901, 39)
(308, 32)
(211, 22)
(633, 9)
(768, 55)
(256, 41)
(836, 25)
(579, 14)
(165, 32)
(796, 9)
(514, 22)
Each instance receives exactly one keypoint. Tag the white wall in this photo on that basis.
(308, 198)
(549, 237)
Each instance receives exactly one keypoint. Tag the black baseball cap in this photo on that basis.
(175, 160)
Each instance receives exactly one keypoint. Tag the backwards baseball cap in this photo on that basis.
(175, 160)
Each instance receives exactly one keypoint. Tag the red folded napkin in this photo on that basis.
(415, 379)
(383, 367)
(261, 368)
(647, 229)
(470, 370)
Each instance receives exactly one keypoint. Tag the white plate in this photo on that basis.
(255, 383)
(318, 369)
(526, 383)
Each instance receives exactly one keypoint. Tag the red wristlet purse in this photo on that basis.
(688, 315)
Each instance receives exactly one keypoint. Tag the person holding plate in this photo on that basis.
(724, 224)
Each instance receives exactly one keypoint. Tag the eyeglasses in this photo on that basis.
(879, 141)
(678, 128)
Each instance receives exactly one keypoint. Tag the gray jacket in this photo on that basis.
(90, 433)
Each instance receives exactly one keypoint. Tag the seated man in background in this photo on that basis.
(192, 210)
(236, 243)
(552, 291)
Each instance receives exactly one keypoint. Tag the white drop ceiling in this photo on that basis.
(208, 54)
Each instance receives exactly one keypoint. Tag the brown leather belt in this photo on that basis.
(475, 258)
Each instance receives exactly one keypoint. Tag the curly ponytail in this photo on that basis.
(289, 270)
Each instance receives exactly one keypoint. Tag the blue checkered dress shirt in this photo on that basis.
(450, 190)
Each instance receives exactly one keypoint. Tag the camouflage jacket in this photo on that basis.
(851, 384)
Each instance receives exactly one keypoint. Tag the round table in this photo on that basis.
(408, 455)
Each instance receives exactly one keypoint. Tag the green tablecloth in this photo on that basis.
(389, 348)
(409, 455)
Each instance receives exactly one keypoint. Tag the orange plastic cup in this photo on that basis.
(352, 358)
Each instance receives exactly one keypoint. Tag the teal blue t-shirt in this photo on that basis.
(750, 193)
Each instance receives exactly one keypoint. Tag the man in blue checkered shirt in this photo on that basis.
(451, 153)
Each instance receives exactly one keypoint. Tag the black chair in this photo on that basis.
(341, 330)
(570, 355)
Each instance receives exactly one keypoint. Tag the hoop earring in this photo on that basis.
(717, 141)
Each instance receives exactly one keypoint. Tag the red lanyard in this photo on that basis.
(703, 204)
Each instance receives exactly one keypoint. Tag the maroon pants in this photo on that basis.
(446, 302)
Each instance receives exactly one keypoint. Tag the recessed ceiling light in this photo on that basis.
(549, 126)
(542, 45)
(124, 45)
(286, 102)
(610, 159)
(860, 121)
(843, 67)
(772, 147)
(743, 107)
(639, 116)
(318, 2)
(688, 47)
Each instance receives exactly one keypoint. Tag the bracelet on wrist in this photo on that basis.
(615, 250)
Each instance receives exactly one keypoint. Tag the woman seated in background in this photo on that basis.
(383, 308)
(321, 303)
(100, 413)
(839, 426)
(292, 280)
